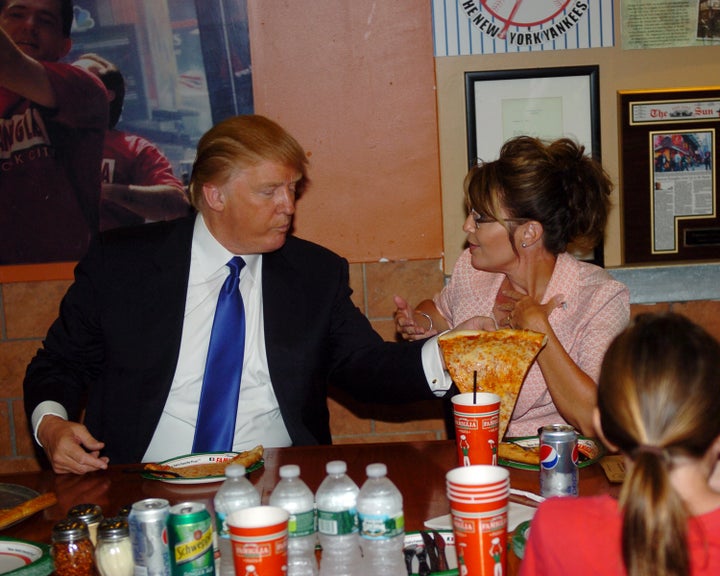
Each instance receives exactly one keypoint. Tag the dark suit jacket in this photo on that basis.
(114, 348)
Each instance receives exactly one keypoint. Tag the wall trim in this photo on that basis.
(670, 283)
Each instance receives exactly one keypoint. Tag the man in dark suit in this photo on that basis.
(131, 341)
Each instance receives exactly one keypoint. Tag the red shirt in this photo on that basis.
(50, 168)
(582, 536)
(130, 159)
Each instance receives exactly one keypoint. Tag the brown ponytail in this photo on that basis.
(658, 398)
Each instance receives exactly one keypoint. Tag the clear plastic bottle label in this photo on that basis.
(301, 524)
(221, 524)
(381, 526)
(337, 523)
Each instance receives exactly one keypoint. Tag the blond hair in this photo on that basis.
(241, 142)
(658, 398)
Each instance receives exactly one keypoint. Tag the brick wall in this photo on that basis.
(27, 309)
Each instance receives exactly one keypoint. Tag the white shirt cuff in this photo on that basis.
(46, 408)
(438, 378)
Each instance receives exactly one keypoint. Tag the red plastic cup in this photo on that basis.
(478, 498)
(259, 536)
(476, 417)
(480, 541)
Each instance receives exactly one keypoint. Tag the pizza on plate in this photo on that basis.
(516, 453)
(204, 469)
(491, 362)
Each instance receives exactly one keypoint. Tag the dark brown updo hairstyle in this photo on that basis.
(658, 397)
(553, 183)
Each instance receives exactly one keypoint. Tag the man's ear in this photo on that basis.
(213, 197)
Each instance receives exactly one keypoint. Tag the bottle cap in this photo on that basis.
(289, 471)
(376, 470)
(336, 467)
(235, 471)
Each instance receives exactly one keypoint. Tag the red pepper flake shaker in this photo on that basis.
(72, 549)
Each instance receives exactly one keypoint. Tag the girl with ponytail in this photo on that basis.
(659, 405)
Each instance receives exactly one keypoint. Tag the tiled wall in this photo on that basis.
(27, 309)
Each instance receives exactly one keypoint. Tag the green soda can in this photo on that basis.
(190, 539)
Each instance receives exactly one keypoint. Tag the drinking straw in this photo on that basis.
(474, 386)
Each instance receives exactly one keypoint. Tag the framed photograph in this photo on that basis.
(185, 65)
(547, 103)
(669, 175)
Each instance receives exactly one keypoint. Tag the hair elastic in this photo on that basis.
(650, 449)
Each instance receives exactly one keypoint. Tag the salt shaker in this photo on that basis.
(72, 550)
(113, 554)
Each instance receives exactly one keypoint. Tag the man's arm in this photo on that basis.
(158, 202)
(24, 75)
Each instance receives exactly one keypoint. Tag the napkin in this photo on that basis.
(516, 514)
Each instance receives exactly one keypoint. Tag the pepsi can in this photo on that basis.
(149, 537)
(558, 460)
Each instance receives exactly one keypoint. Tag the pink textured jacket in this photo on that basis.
(597, 309)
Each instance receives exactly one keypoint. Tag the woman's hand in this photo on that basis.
(414, 323)
(526, 313)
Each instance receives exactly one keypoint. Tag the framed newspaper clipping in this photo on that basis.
(668, 174)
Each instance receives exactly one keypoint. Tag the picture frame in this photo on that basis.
(548, 103)
(668, 171)
(181, 77)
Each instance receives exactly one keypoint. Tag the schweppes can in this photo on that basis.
(190, 539)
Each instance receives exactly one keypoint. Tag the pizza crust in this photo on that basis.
(247, 459)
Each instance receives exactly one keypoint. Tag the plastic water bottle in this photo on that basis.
(236, 492)
(382, 524)
(292, 494)
(336, 501)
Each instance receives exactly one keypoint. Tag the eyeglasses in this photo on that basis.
(485, 219)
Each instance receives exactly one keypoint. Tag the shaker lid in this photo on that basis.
(111, 528)
(70, 529)
(88, 512)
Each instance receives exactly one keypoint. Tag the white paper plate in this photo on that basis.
(23, 558)
(192, 459)
(517, 514)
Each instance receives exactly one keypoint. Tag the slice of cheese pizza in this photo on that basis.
(494, 361)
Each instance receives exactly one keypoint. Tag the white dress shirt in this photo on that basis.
(258, 415)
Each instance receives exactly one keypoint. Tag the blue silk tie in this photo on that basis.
(215, 428)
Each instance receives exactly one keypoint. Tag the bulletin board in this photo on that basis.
(668, 173)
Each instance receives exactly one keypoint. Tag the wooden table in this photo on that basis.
(417, 468)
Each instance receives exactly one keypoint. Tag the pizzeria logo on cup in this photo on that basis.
(466, 423)
(257, 550)
(463, 525)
